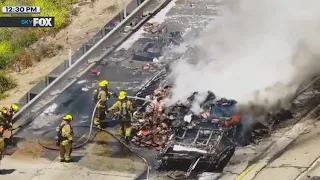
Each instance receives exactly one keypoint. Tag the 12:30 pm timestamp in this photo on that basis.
(20, 9)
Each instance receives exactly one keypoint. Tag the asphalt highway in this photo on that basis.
(126, 74)
(121, 72)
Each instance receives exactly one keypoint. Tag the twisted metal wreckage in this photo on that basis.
(187, 141)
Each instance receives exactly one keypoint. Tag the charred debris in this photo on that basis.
(155, 123)
(158, 38)
(187, 141)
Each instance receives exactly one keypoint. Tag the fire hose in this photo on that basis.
(89, 139)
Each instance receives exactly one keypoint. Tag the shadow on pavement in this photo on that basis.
(76, 158)
(6, 171)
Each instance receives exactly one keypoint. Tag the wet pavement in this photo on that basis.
(103, 158)
(105, 153)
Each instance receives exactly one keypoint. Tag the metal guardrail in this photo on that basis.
(88, 55)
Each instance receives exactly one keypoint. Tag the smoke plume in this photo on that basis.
(258, 52)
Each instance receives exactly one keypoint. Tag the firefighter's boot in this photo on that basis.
(68, 159)
(61, 159)
(127, 134)
(127, 139)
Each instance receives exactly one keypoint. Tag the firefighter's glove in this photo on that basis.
(114, 95)
(99, 106)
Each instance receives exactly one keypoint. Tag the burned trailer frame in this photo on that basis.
(199, 149)
(148, 89)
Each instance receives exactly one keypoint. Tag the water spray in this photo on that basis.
(139, 98)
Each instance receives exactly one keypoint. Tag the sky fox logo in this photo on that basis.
(39, 22)
(43, 22)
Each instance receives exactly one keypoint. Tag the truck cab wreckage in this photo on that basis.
(203, 144)
(186, 141)
(199, 148)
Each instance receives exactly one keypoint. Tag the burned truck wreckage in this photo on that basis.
(184, 140)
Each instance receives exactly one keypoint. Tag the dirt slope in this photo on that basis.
(92, 15)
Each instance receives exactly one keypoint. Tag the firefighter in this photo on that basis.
(124, 114)
(103, 95)
(65, 134)
(6, 115)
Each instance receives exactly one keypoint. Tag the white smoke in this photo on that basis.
(258, 53)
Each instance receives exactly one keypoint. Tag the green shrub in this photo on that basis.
(13, 43)
(3, 96)
(6, 54)
(5, 60)
(5, 47)
(59, 9)
(6, 82)
(24, 40)
(5, 34)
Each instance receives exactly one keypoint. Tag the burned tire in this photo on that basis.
(225, 158)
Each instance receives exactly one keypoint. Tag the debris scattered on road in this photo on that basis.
(81, 81)
(95, 72)
(151, 27)
(84, 89)
(147, 67)
(50, 109)
(211, 135)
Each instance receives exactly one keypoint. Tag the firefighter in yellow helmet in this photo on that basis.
(6, 114)
(102, 95)
(124, 114)
(64, 138)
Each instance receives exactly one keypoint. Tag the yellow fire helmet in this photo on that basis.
(122, 95)
(15, 108)
(103, 83)
(68, 117)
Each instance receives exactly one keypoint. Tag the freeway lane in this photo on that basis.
(122, 74)
(79, 103)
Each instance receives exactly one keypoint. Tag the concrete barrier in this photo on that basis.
(56, 85)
